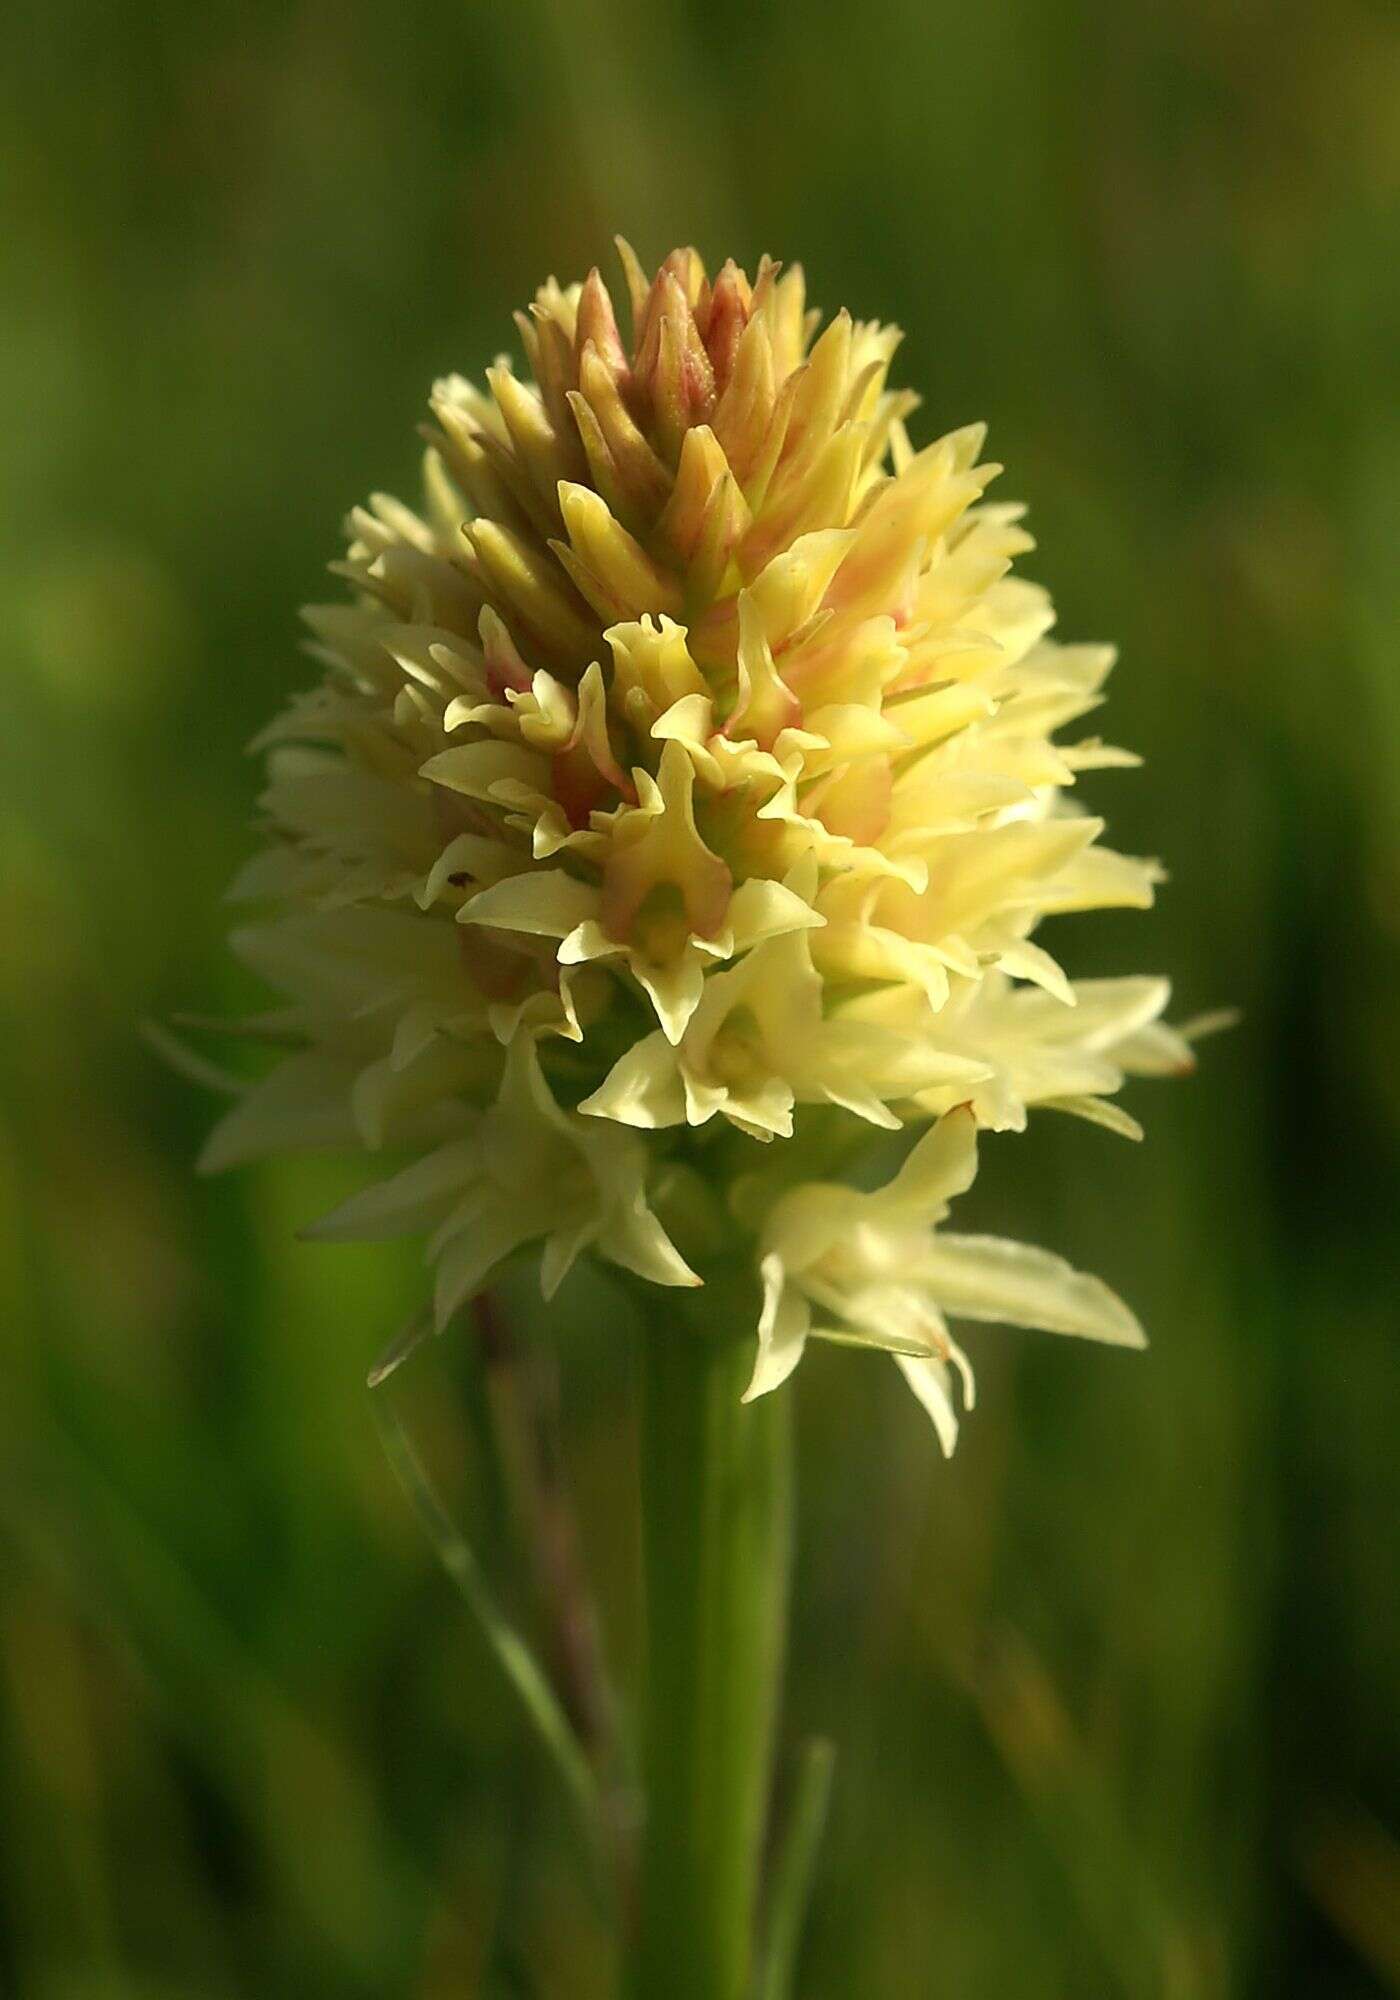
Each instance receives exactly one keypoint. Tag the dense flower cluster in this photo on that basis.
(688, 766)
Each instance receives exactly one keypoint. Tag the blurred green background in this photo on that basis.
(1115, 1691)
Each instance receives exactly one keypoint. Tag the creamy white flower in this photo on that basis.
(875, 1270)
(527, 1172)
(694, 756)
(760, 1042)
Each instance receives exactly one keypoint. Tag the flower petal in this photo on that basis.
(987, 1278)
(782, 1330)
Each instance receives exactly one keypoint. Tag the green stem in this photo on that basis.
(716, 1499)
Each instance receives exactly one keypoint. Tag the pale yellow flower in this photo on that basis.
(691, 759)
(526, 1172)
(875, 1270)
(760, 1042)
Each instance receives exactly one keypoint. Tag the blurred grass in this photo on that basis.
(1115, 1695)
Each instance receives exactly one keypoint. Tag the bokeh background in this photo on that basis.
(1115, 1693)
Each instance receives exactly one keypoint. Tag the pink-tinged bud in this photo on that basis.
(685, 267)
(604, 419)
(673, 370)
(728, 316)
(597, 323)
(670, 404)
(504, 666)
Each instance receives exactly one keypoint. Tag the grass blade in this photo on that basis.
(512, 1654)
(792, 1875)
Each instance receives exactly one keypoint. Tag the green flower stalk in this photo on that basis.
(681, 801)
